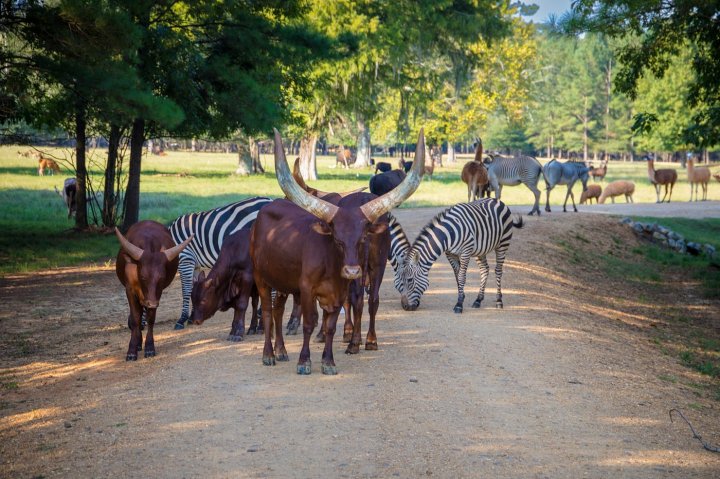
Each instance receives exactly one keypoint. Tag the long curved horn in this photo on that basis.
(134, 251)
(379, 206)
(314, 191)
(173, 252)
(320, 208)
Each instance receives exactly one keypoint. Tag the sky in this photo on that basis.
(558, 7)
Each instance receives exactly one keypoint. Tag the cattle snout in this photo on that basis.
(351, 272)
(151, 304)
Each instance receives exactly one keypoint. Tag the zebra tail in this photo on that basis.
(519, 223)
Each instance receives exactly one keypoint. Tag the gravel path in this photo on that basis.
(558, 384)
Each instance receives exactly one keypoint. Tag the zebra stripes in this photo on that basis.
(512, 172)
(210, 229)
(461, 232)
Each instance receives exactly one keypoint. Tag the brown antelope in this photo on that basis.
(47, 164)
(698, 176)
(663, 176)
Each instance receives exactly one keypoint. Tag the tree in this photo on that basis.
(655, 31)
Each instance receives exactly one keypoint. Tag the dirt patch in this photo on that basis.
(573, 378)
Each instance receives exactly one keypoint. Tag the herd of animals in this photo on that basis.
(331, 249)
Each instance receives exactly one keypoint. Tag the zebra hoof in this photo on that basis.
(179, 326)
(499, 305)
(458, 309)
(476, 303)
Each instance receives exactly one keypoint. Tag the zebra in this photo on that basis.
(513, 171)
(210, 229)
(567, 173)
(462, 231)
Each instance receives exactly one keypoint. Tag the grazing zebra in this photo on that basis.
(567, 173)
(462, 231)
(512, 172)
(210, 229)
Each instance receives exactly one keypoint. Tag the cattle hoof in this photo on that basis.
(352, 349)
(235, 338)
(252, 330)
(282, 356)
(304, 368)
(179, 325)
(347, 337)
(320, 338)
(131, 357)
(329, 369)
(371, 346)
(150, 354)
(269, 360)
(476, 304)
(499, 305)
(458, 309)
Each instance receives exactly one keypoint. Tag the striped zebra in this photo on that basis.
(462, 231)
(513, 171)
(210, 229)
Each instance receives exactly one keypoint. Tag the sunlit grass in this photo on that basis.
(36, 233)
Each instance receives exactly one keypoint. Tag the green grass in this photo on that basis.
(37, 235)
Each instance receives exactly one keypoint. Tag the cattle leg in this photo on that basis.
(328, 362)
(309, 316)
(348, 327)
(484, 273)
(277, 313)
(356, 301)
(266, 306)
(237, 329)
(150, 338)
(134, 325)
(373, 305)
(294, 321)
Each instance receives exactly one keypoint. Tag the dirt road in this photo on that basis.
(566, 381)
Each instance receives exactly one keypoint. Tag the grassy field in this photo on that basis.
(37, 235)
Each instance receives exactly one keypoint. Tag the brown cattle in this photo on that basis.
(475, 176)
(68, 194)
(146, 265)
(293, 252)
(230, 284)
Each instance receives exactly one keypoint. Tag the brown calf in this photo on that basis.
(146, 265)
(293, 252)
(593, 191)
(230, 284)
(475, 176)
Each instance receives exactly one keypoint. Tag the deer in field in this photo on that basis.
(663, 176)
(698, 176)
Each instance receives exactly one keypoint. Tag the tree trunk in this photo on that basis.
(80, 168)
(585, 132)
(308, 165)
(364, 149)
(245, 160)
(451, 153)
(109, 211)
(132, 193)
(257, 167)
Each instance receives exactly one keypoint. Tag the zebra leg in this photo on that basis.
(186, 268)
(547, 199)
(460, 277)
(572, 198)
(294, 321)
(484, 273)
(500, 260)
(536, 192)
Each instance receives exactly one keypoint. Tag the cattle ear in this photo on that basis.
(322, 228)
(378, 228)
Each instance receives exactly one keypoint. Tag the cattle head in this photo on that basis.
(206, 297)
(151, 268)
(348, 226)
